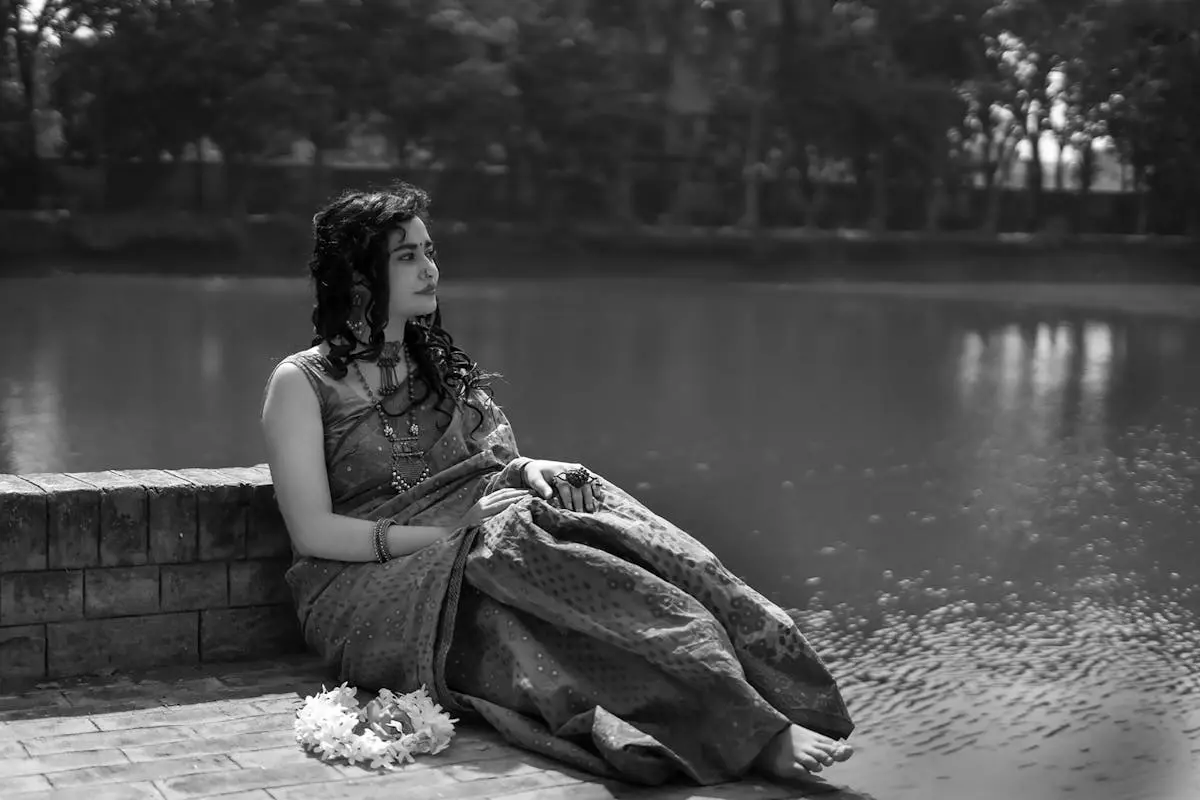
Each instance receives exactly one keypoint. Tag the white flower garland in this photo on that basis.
(388, 732)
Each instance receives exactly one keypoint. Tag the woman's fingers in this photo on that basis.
(540, 486)
(501, 499)
(576, 498)
(508, 501)
(503, 495)
(564, 493)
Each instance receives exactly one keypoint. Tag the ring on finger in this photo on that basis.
(578, 476)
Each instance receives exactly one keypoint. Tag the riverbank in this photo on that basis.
(1142, 299)
(226, 730)
(182, 244)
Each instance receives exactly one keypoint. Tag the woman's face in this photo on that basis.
(412, 271)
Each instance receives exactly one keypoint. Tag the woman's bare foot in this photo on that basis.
(796, 752)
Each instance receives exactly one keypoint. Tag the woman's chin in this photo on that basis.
(422, 305)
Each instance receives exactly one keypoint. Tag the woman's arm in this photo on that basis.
(291, 421)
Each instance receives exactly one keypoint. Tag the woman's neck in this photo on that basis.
(394, 330)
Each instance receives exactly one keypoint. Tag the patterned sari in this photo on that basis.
(612, 641)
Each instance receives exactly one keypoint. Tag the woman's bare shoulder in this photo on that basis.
(299, 369)
(318, 351)
(315, 356)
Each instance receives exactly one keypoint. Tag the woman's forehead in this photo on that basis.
(411, 232)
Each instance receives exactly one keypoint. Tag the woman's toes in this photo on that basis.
(827, 746)
(808, 762)
(820, 754)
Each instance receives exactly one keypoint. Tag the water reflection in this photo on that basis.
(32, 414)
(1042, 381)
(986, 514)
(1097, 371)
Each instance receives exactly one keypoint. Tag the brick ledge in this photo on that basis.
(133, 569)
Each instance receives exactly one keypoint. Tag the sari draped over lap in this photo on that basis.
(612, 641)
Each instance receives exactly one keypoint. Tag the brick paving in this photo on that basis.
(226, 731)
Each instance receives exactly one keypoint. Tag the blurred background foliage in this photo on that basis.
(925, 115)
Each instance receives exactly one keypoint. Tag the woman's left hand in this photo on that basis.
(548, 478)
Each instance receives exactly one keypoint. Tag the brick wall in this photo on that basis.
(140, 568)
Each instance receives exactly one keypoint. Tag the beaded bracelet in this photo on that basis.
(383, 553)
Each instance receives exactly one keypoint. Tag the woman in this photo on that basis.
(528, 592)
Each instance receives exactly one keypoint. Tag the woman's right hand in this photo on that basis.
(492, 504)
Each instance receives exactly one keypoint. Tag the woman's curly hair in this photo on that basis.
(350, 251)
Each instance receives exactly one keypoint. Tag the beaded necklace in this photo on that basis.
(409, 466)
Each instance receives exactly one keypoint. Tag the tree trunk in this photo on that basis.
(621, 195)
(1087, 174)
(1060, 165)
(820, 197)
(879, 192)
(793, 189)
(989, 149)
(934, 204)
(1143, 197)
(101, 152)
(991, 214)
(752, 167)
(797, 179)
(524, 181)
(935, 195)
(1035, 176)
(198, 173)
(8, 22)
(999, 170)
(26, 53)
(512, 168)
(237, 186)
(27, 47)
(680, 202)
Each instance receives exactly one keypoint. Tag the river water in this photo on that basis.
(988, 512)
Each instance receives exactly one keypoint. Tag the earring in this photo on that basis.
(357, 322)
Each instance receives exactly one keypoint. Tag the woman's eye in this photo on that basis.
(408, 255)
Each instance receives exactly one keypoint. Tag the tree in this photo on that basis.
(1026, 34)
(24, 30)
(1153, 110)
(902, 96)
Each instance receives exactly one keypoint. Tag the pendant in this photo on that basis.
(407, 448)
(413, 428)
(408, 471)
(389, 358)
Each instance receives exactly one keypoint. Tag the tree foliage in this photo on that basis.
(926, 95)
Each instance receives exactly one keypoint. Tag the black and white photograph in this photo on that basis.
(599, 399)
